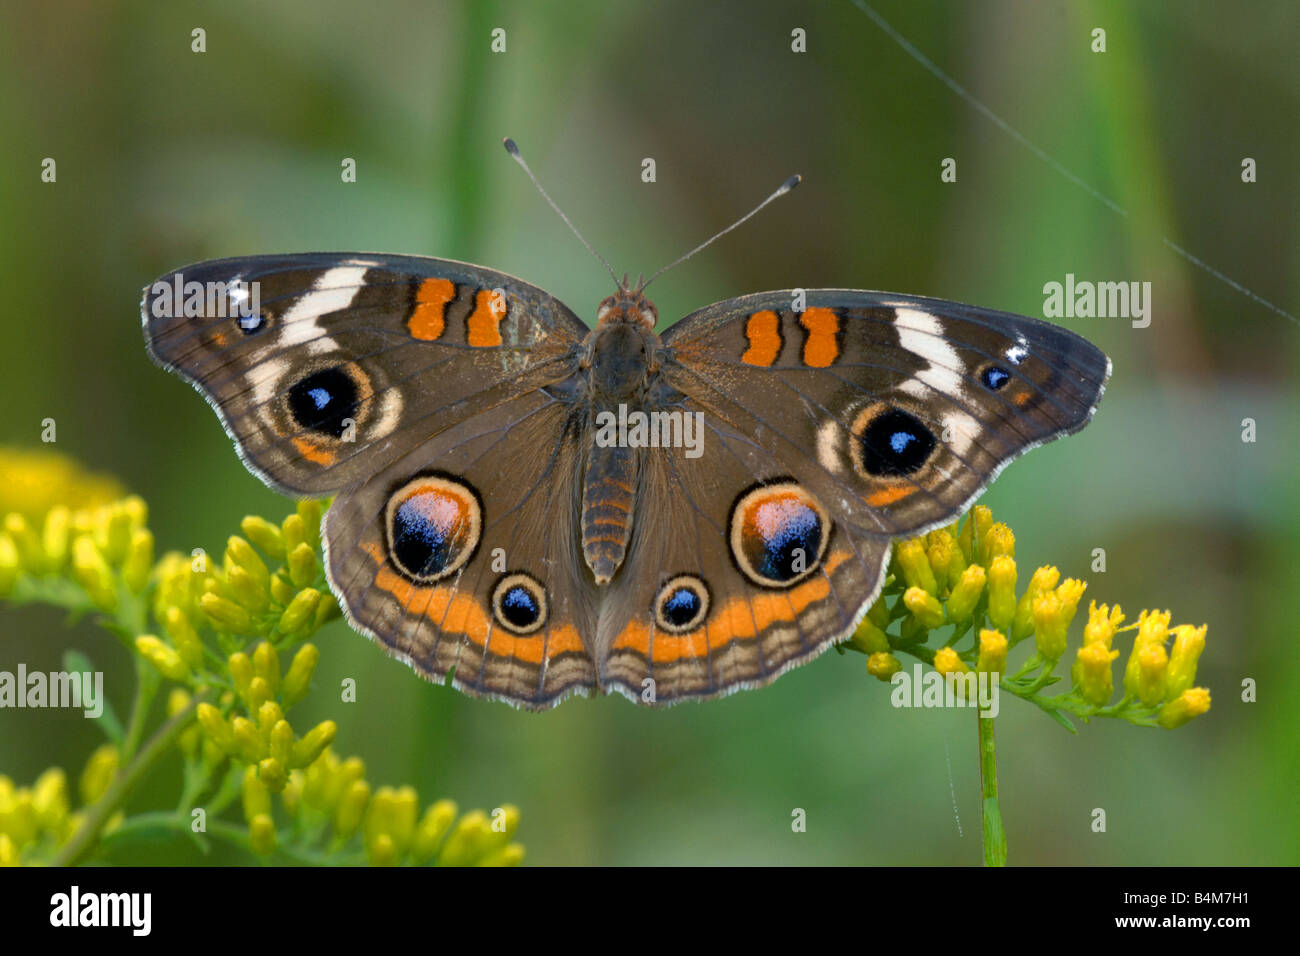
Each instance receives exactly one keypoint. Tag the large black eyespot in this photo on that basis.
(893, 443)
(778, 534)
(324, 401)
(434, 524)
(519, 603)
(682, 604)
(994, 377)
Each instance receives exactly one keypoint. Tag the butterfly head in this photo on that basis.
(627, 305)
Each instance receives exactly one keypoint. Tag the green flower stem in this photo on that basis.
(995, 837)
(147, 680)
(83, 841)
(229, 833)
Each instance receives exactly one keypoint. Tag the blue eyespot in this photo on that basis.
(895, 443)
(519, 603)
(778, 534)
(324, 400)
(248, 324)
(520, 607)
(994, 377)
(433, 527)
(682, 604)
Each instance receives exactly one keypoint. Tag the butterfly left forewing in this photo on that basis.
(323, 367)
(894, 410)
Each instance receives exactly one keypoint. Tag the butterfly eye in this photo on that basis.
(327, 400)
(519, 603)
(891, 443)
(434, 525)
(682, 604)
(778, 534)
(994, 377)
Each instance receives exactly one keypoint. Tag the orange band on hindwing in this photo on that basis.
(427, 320)
(763, 332)
(483, 327)
(740, 618)
(821, 347)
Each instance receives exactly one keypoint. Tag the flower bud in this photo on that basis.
(993, 652)
(302, 565)
(1153, 665)
(925, 607)
(313, 743)
(225, 614)
(916, 566)
(166, 659)
(1188, 643)
(1190, 703)
(1002, 592)
(263, 534)
(298, 680)
(300, 611)
(1092, 673)
(966, 593)
(1043, 580)
(882, 665)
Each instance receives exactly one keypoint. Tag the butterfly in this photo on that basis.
(530, 508)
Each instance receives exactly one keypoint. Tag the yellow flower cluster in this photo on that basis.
(232, 638)
(37, 820)
(965, 576)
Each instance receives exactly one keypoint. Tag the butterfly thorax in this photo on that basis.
(620, 365)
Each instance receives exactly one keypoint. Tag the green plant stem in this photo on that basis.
(84, 840)
(147, 680)
(995, 837)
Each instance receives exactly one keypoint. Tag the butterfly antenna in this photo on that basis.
(513, 149)
(786, 186)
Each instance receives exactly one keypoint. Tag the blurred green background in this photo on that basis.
(166, 156)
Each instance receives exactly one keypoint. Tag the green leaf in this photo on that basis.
(75, 660)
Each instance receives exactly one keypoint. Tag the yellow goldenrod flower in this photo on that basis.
(100, 770)
(241, 554)
(138, 566)
(1002, 592)
(947, 661)
(247, 591)
(973, 530)
(1190, 703)
(434, 825)
(925, 607)
(301, 610)
(264, 534)
(293, 531)
(250, 743)
(266, 665)
(261, 834)
(1153, 628)
(185, 639)
(1102, 623)
(509, 855)
(998, 541)
(351, 808)
(1153, 664)
(272, 774)
(1092, 673)
(916, 566)
(56, 538)
(9, 565)
(256, 798)
(1042, 581)
(1049, 635)
(34, 481)
(468, 841)
(993, 652)
(240, 666)
(1188, 643)
(93, 574)
(298, 680)
(313, 743)
(215, 727)
(50, 799)
(166, 659)
(942, 552)
(8, 851)
(882, 665)
(966, 593)
(869, 639)
(280, 742)
(302, 565)
(225, 614)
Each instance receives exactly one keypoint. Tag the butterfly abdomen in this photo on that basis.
(608, 497)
